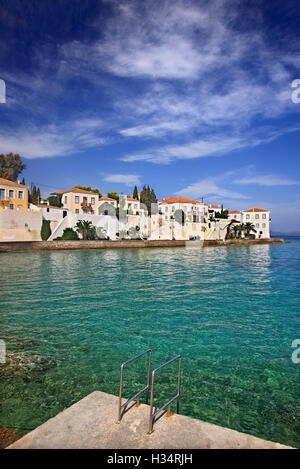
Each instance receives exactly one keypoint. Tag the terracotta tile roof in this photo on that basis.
(234, 211)
(255, 209)
(75, 190)
(7, 182)
(108, 198)
(131, 199)
(215, 206)
(177, 200)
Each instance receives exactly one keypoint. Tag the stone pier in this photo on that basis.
(91, 424)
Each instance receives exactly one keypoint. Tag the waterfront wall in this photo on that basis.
(20, 225)
(62, 245)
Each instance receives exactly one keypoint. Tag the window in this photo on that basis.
(76, 199)
(11, 194)
(257, 225)
(135, 206)
(76, 210)
(20, 195)
(264, 215)
(256, 216)
(166, 209)
(247, 216)
(93, 200)
(48, 209)
(11, 206)
(2, 194)
(66, 199)
(85, 200)
(129, 205)
(263, 225)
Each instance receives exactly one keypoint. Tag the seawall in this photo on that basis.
(23, 246)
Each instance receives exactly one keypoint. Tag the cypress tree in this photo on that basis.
(135, 193)
(45, 230)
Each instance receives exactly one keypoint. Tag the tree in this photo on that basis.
(45, 230)
(85, 228)
(54, 200)
(248, 228)
(229, 228)
(236, 230)
(34, 195)
(69, 235)
(148, 197)
(89, 189)
(11, 166)
(222, 214)
(113, 195)
(135, 193)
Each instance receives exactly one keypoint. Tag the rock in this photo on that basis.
(23, 365)
(8, 436)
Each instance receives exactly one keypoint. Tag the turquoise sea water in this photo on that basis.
(231, 312)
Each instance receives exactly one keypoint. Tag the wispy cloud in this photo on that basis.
(266, 180)
(210, 145)
(127, 179)
(53, 140)
(209, 187)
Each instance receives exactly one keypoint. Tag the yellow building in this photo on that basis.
(13, 196)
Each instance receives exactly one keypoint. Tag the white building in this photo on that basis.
(181, 218)
(260, 218)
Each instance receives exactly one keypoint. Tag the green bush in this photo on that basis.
(45, 230)
(69, 235)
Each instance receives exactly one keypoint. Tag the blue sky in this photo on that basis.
(190, 97)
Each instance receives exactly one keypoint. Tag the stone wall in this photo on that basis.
(61, 245)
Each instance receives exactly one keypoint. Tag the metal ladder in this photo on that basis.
(147, 387)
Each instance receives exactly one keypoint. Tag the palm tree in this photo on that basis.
(84, 227)
(249, 227)
(229, 227)
(242, 228)
(236, 230)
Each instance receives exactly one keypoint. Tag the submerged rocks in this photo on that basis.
(8, 436)
(25, 366)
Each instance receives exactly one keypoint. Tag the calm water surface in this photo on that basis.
(231, 312)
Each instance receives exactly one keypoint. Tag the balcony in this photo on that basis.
(4, 202)
(87, 208)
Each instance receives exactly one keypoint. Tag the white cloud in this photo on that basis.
(53, 140)
(127, 179)
(208, 146)
(266, 180)
(209, 188)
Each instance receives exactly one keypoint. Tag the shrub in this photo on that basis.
(69, 235)
(45, 230)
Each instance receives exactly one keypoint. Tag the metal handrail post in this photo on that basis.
(146, 388)
(178, 384)
(177, 396)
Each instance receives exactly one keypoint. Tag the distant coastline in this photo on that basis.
(285, 235)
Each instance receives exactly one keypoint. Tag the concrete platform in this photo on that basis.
(91, 424)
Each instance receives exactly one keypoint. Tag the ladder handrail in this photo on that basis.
(146, 388)
(177, 396)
